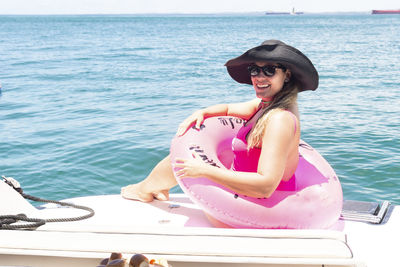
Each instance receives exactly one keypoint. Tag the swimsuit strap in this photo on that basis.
(255, 116)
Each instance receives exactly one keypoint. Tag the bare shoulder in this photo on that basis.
(282, 120)
(278, 114)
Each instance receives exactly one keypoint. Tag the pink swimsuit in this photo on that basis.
(246, 160)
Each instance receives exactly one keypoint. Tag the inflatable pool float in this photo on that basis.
(312, 199)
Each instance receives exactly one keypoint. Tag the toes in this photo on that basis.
(134, 194)
(162, 195)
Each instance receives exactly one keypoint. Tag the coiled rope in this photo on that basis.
(6, 221)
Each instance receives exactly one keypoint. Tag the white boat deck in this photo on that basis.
(178, 231)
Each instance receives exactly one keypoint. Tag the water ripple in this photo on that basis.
(90, 103)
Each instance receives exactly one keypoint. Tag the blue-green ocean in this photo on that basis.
(90, 103)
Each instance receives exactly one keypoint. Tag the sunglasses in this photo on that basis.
(268, 70)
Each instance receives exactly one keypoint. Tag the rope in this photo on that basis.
(7, 220)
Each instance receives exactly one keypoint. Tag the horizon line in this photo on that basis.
(188, 13)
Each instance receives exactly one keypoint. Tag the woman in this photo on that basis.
(266, 148)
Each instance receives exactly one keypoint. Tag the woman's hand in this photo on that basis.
(191, 168)
(197, 118)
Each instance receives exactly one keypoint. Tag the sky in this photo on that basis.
(188, 6)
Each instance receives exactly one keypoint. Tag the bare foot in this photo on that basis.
(156, 185)
(135, 192)
(162, 195)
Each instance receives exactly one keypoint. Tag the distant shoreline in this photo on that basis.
(201, 14)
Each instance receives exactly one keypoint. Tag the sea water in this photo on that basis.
(90, 103)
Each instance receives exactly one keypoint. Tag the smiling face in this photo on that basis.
(265, 86)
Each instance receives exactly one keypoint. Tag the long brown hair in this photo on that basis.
(284, 99)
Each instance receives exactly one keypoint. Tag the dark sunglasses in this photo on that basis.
(268, 70)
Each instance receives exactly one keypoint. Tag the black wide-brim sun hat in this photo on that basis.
(274, 51)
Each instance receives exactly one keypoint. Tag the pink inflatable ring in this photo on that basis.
(312, 199)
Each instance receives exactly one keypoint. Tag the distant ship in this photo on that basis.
(277, 13)
(284, 13)
(379, 12)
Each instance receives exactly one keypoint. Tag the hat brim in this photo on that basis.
(300, 66)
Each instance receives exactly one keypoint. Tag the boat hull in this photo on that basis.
(178, 231)
(383, 12)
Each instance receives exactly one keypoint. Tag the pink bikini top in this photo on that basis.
(245, 159)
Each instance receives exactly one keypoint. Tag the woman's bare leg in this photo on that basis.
(156, 185)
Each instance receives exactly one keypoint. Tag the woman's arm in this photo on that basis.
(277, 141)
(242, 110)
